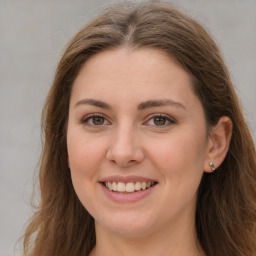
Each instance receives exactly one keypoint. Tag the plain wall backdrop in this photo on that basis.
(33, 35)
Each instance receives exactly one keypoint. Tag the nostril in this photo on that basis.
(124, 150)
(125, 160)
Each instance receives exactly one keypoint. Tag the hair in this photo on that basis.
(226, 203)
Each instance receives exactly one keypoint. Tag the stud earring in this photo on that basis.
(212, 165)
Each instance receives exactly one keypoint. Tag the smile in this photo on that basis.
(128, 187)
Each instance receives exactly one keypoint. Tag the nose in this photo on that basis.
(125, 149)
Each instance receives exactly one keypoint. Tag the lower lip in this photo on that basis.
(127, 197)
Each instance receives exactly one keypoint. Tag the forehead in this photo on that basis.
(138, 74)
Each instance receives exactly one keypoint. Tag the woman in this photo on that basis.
(146, 148)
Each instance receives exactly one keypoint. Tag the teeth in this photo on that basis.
(128, 187)
(114, 186)
(121, 187)
(109, 185)
(138, 186)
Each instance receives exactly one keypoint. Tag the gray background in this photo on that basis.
(33, 34)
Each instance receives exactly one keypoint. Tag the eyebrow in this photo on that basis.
(141, 106)
(159, 103)
(96, 103)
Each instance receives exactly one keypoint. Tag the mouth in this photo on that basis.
(128, 187)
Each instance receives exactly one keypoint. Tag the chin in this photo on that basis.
(126, 225)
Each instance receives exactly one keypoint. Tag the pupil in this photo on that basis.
(159, 121)
(98, 120)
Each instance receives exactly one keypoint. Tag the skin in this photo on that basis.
(126, 140)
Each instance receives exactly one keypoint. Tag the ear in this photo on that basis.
(218, 143)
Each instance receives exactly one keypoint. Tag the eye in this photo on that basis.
(160, 120)
(95, 120)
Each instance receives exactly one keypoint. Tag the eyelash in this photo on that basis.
(151, 118)
(90, 117)
(167, 119)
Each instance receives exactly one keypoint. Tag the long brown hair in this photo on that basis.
(226, 203)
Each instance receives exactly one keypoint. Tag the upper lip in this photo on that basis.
(126, 179)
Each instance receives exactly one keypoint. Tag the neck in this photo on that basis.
(179, 240)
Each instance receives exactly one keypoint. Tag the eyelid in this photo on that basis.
(170, 119)
(87, 117)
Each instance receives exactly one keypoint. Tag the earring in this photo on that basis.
(212, 165)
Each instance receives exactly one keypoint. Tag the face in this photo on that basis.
(137, 141)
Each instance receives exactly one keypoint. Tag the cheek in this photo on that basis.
(84, 162)
(180, 161)
(84, 153)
